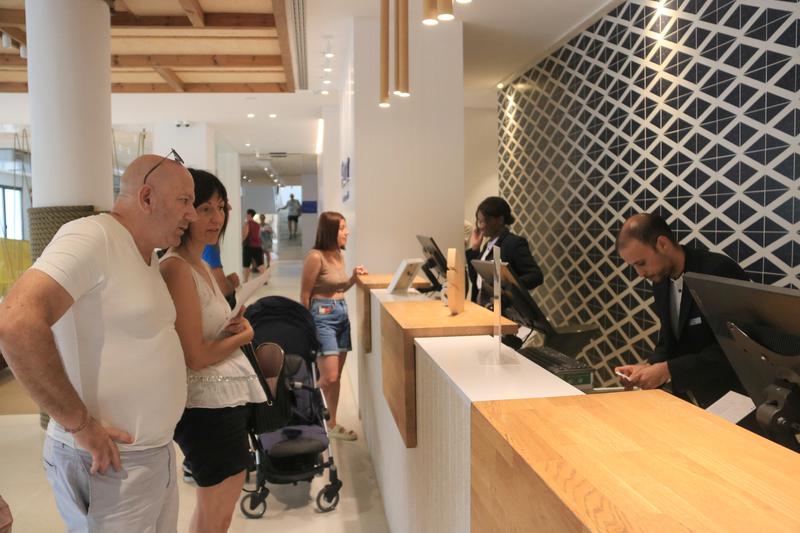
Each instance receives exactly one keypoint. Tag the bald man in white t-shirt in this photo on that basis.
(89, 331)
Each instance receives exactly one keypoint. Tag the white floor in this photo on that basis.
(289, 508)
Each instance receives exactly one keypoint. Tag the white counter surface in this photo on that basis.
(472, 365)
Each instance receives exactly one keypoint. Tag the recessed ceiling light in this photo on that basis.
(500, 85)
(329, 55)
(272, 115)
(326, 82)
(327, 69)
(251, 115)
(247, 145)
(325, 92)
(266, 169)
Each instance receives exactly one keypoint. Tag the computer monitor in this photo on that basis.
(518, 305)
(435, 267)
(758, 328)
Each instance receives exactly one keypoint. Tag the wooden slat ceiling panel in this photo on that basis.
(181, 46)
(195, 46)
(193, 32)
(173, 7)
(143, 76)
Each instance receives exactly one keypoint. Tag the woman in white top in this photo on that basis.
(222, 385)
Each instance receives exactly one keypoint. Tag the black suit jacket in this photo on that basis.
(696, 362)
(514, 250)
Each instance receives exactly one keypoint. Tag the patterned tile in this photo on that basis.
(690, 109)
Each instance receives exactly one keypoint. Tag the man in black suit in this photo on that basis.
(492, 219)
(687, 355)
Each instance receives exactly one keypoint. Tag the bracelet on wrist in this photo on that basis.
(83, 424)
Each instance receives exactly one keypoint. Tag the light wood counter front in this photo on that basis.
(364, 284)
(634, 461)
(401, 323)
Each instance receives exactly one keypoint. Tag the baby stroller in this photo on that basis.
(297, 451)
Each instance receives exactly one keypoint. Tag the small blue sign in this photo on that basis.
(309, 206)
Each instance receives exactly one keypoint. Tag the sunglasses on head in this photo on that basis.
(177, 158)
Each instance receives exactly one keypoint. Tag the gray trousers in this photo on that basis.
(141, 497)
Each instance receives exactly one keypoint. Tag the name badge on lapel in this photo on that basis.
(696, 321)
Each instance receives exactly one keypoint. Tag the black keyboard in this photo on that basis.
(551, 359)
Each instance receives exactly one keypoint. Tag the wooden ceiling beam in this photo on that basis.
(123, 19)
(12, 60)
(22, 87)
(16, 33)
(12, 17)
(193, 12)
(211, 20)
(197, 88)
(282, 27)
(215, 60)
(172, 60)
(171, 78)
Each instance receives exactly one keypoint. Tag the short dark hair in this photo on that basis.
(646, 228)
(328, 231)
(494, 206)
(205, 185)
(251, 212)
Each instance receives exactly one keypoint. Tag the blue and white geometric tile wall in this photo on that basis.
(688, 108)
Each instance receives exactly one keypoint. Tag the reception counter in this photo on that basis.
(426, 488)
(633, 461)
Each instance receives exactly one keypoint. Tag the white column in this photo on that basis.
(69, 85)
(229, 171)
(308, 221)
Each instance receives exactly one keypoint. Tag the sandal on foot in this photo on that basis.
(338, 432)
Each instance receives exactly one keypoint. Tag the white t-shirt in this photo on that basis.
(118, 341)
(294, 207)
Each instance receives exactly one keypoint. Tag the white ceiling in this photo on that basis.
(501, 38)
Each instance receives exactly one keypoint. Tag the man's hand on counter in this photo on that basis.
(645, 376)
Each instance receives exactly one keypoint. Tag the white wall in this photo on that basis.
(195, 144)
(407, 167)
(406, 162)
(229, 172)
(480, 158)
(258, 197)
(308, 221)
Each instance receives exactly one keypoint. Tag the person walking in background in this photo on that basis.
(266, 233)
(294, 208)
(89, 332)
(222, 384)
(322, 290)
(252, 254)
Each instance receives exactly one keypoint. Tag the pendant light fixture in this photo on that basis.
(401, 48)
(429, 12)
(384, 50)
(444, 10)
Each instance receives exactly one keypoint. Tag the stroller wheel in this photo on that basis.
(259, 509)
(325, 502)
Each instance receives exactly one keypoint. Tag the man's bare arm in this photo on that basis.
(33, 305)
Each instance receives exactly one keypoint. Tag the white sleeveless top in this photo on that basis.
(232, 381)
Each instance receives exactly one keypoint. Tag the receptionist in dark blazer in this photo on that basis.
(493, 217)
(687, 355)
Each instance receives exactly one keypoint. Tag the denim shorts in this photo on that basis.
(333, 325)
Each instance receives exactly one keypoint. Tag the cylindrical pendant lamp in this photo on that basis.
(384, 48)
(444, 10)
(429, 13)
(401, 48)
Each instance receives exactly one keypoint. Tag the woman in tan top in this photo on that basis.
(322, 291)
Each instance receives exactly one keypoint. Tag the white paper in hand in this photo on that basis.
(243, 293)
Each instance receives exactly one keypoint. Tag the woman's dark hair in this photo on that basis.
(494, 206)
(205, 185)
(328, 231)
